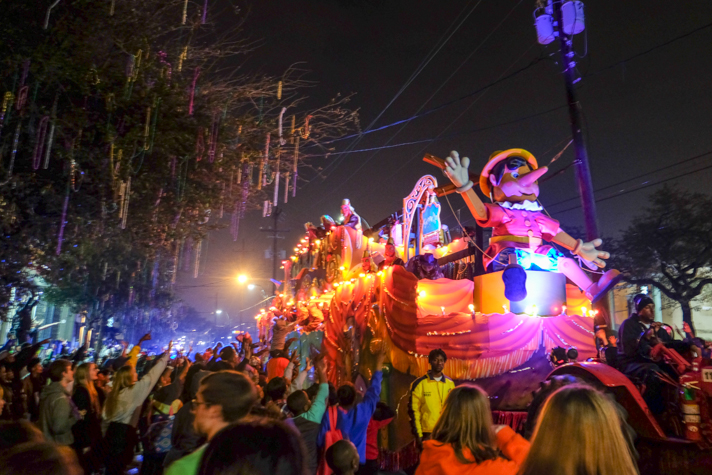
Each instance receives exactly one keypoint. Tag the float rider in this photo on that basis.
(520, 226)
(391, 256)
(367, 265)
(352, 220)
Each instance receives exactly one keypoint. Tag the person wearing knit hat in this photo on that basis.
(639, 334)
(520, 227)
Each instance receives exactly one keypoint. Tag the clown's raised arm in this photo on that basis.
(518, 221)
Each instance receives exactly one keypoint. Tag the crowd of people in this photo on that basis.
(238, 410)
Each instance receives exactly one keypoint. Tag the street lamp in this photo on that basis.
(242, 278)
(251, 287)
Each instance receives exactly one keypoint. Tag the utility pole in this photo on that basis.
(583, 174)
(276, 212)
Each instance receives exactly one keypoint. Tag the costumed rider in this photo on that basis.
(520, 227)
(391, 256)
(367, 265)
(352, 220)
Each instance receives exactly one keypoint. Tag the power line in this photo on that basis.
(447, 104)
(659, 182)
(643, 53)
(436, 49)
(458, 134)
(363, 164)
(635, 177)
(476, 99)
(444, 105)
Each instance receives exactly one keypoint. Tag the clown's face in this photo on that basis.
(346, 211)
(517, 185)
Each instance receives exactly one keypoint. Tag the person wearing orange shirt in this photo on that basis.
(465, 442)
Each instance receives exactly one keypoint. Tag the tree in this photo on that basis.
(669, 246)
(125, 135)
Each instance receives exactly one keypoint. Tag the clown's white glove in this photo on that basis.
(456, 171)
(588, 252)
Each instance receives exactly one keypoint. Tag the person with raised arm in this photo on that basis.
(127, 395)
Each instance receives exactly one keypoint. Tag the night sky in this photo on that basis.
(647, 112)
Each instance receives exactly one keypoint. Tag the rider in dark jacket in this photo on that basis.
(638, 334)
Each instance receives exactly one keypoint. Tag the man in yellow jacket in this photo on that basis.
(427, 397)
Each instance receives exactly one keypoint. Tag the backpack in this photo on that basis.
(332, 436)
(157, 439)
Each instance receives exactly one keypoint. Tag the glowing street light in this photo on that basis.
(251, 287)
(218, 312)
(242, 278)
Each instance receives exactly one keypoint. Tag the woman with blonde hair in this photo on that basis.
(127, 394)
(579, 433)
(87, 432)
(465, 442)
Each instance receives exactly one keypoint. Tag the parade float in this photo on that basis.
(509, 316)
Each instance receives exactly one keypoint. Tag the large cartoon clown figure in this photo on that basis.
(521, 232)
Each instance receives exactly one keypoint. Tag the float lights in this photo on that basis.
(336, 284)
(262, 310)
(218, 312)
(422, 294)
(472, 308)
(379, 273)
(370, 239)
(312, 297)
(583, 311)
(563, 310)
(281, 295)
(242, 278)
(304, 240)
(532, 310)
(318, 241)
(362, 275)
(342, 268)
(506, 310)
(442, 310)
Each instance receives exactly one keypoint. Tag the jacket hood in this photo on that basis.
(53, 389)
